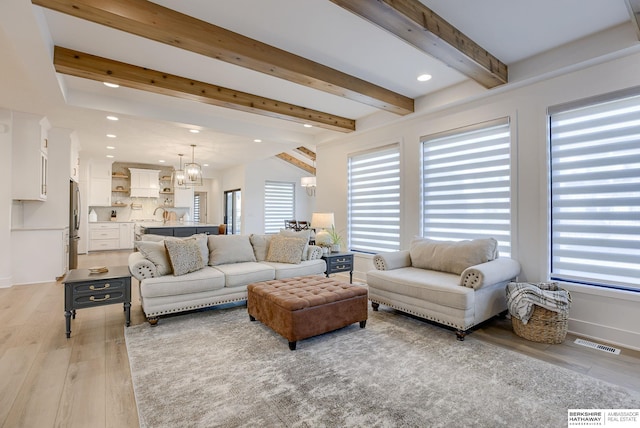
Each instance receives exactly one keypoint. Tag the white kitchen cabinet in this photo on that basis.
(104, 236)
(183, 198)
(145, 183)
(100, 184)
(111, 236)
(126, 235)
(29, 155)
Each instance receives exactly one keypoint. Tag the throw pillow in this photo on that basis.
(450, 256)
(299, 234)
(156, 253)
(224, 249)
(185, 255)
(201, 239)
(283, 249)
(260, 244)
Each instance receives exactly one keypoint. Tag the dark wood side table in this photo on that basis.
(339, 262)
(83, 289)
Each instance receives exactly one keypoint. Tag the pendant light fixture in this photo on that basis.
(178, 177)
(193, 171)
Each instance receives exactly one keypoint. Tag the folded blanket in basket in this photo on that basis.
(522, 296)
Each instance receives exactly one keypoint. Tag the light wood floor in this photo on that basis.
(47, 380)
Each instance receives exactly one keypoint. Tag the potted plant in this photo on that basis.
(336, 240)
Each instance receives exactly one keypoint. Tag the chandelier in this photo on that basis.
(178, 177)
(193, 171)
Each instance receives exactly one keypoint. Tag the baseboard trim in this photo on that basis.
(614, 336)
(6, 282)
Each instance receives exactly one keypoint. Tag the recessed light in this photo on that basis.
(205, 164)
(111, 135)
(194, 131)
(257, 140)
(306, 125)
(424, 77)
(110, 156)
(161, 161)
(111, 85)
(112, 117)
(110, 148)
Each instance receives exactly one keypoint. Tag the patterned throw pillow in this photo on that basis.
(185, 256)
(200, 238)
(283, 249)
(298, 234)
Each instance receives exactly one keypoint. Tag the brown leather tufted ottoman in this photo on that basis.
(301, 307)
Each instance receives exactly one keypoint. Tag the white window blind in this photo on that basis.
(466, 184)
(196, 208)
(279, 205)
(374, 200)
(595, 191)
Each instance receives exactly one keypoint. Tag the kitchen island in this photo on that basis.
(174, 228)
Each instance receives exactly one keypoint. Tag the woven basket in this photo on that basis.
(544, 326)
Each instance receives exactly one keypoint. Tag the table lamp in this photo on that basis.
(320, 222)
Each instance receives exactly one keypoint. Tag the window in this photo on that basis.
(196, 208)
(279, 205)
(595, 191)
(466, 184)
(374, 200)
(233, 211)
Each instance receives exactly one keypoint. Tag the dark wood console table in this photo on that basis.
(339, 262)
(83, 289)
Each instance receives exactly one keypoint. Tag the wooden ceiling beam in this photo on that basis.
(634, 10)
(155, 22)
(421, 27)
(306, 152)
(297, 162)
(93, 67)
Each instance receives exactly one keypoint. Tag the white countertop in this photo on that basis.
(174, 224)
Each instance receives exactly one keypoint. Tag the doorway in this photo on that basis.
(233, 211)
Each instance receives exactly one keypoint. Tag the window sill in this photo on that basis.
(601, 291)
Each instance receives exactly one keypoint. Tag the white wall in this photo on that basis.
(603, 314)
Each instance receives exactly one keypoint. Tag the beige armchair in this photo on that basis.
(457, 284)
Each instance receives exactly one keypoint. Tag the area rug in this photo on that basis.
(218, 369)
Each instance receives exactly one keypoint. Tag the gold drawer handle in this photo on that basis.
(93, 299)
(341, 267)
(93, 287)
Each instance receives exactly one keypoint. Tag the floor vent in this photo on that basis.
(599, 346)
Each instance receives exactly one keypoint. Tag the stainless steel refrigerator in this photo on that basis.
(74, 223)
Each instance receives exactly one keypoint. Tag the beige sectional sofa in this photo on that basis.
(458, 284)
(209, 270)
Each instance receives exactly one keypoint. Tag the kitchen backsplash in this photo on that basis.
(148, 206)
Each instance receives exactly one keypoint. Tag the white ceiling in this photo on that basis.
(154, 127)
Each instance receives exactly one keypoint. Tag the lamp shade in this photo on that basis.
(308, 181)
(322, 220)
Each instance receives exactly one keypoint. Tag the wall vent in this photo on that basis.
(599, 346)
